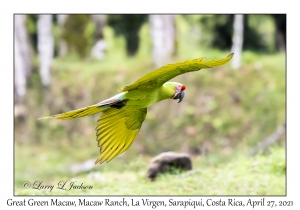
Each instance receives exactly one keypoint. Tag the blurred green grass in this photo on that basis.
(224, 115)
(259, 175)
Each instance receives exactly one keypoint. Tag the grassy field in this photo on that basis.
(237, 175)
(232, 113)
(225, 114)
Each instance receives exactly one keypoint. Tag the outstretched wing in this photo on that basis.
(159, 76)
(117, 129)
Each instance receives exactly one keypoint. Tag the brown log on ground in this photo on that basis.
(165, 161)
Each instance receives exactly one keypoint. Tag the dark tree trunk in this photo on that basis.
(128, 26)
(280, 22)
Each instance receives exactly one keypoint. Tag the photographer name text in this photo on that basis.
(62, 185)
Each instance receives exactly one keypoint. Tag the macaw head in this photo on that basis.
(179, 92)
(173, 90)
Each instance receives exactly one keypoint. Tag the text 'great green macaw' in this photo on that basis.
(123, 114)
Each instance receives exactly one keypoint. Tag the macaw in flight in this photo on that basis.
(123, 114)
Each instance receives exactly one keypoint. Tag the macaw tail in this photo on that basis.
(77, 113)
(113, 102)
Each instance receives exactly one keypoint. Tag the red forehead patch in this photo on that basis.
(182, 87)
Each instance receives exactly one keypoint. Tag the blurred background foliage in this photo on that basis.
(227, 112)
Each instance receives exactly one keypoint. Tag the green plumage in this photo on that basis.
(123, 114)
(117, 129)
(160, 76)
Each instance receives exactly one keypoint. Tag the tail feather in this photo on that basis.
(89, 110)
(77, 113)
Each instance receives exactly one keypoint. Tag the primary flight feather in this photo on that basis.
(123, 114)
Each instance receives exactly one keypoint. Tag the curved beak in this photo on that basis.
(179, 96)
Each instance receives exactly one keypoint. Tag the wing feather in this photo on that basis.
(108, 153)
(110, 139)
(117, 129)
(104, 129)
(129, 141)
(108, 133)
(159, 76)
(117, 151)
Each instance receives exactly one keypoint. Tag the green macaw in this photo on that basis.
(123, 114)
